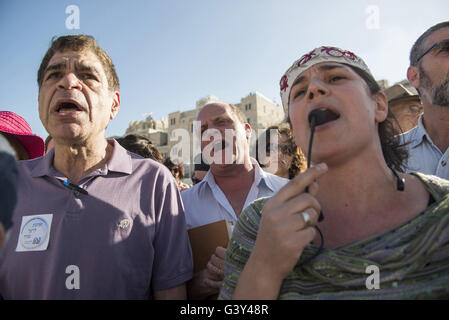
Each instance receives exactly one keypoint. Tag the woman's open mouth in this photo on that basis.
(329, 116)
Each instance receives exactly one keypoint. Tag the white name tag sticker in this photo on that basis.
(34, 233)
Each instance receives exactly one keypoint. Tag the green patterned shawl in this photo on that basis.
(413, 258)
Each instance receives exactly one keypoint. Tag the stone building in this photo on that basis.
(260, 111)
(155, 130)
(181, 123)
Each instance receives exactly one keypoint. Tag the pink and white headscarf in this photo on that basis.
(318, 55)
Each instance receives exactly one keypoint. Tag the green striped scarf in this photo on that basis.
(413, 259)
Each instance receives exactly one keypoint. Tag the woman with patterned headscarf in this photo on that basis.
(385, 234)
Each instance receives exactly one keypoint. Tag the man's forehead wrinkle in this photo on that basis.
(209, 114)
(80, 64)
(83, 57)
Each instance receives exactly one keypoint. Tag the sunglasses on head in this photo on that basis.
(443, 46)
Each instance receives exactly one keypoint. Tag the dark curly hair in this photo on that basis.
(140, 145)
(299, 161)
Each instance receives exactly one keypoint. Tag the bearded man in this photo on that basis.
(428, 72)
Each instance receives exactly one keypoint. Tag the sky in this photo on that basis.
(170, 53)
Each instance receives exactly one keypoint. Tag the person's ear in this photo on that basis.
(291, 129)
(115, 105)
(381, 111)
(413, 76)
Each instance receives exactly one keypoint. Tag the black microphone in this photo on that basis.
(316, 117)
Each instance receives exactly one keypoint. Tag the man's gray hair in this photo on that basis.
(417, 48)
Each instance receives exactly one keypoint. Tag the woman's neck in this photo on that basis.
(355, 184)
(357, 200)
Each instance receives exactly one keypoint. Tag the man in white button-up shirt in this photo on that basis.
(424, 155)
(232, 183)
(429, 73)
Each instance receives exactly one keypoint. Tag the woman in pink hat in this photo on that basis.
(385, 234)
(18, 132)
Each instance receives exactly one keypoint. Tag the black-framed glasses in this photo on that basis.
(442, 46)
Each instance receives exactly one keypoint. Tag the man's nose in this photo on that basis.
(69, 81)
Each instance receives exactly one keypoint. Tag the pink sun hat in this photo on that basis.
(16, 125)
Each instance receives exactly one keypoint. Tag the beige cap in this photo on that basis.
(398, 92)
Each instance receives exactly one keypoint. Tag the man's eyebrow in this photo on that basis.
(57, 66)
(220, 118)
(78, 67)
(86, 68)
(214, 120)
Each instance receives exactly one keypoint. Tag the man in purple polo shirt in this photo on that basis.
(92, 221)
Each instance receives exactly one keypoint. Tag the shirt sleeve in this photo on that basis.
(240, 246)
(173, 262)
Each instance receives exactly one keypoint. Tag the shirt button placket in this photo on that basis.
(443, 168)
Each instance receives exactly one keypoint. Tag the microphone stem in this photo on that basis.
(312, 131)
(309, 157)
